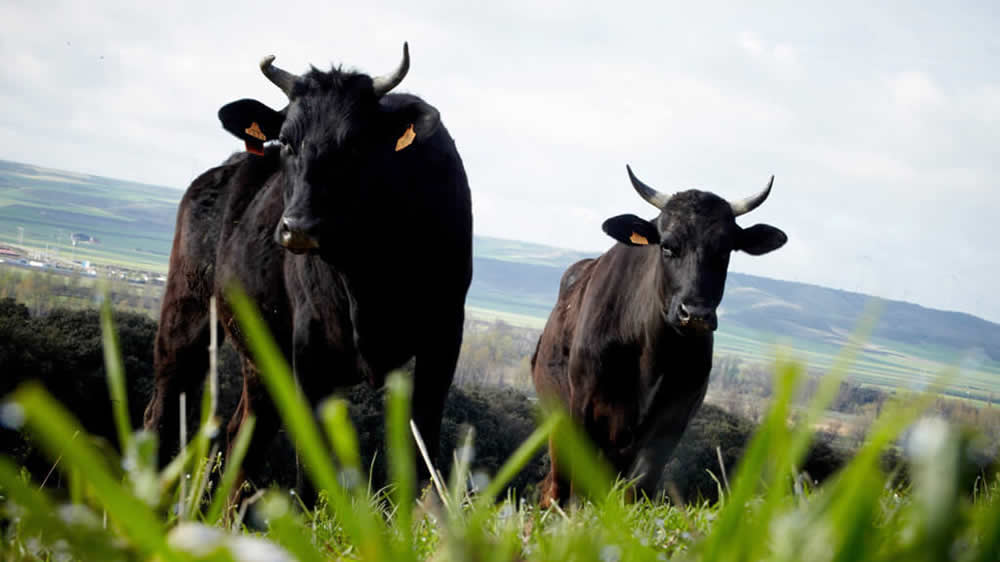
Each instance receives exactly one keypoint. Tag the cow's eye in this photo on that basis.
(668, 252)
(286, 144)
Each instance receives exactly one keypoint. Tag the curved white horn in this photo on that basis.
(744, 206)
(653, 197)
(383, 84)
(281, 78)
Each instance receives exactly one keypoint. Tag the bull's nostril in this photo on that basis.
(683, 314)
(293, 233)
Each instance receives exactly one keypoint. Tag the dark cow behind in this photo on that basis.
(628, 347)
(354, 237)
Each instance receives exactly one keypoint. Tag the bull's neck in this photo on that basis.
(642, 307)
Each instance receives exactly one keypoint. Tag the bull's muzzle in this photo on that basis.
(697, 318)
(296, 235)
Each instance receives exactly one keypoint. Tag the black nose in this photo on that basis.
(700, 318)
(297, 234)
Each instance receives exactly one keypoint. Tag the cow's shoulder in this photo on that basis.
(574, 274)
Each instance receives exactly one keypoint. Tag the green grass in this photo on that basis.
(123, 509)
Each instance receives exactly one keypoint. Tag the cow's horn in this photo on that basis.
(744, 206)
(281, 78)
(653, 197)
(383, 84)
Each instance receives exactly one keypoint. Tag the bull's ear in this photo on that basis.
(761, 239)
(413, 122)
(251, 121)
(631, 230)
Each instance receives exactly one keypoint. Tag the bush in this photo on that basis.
(62, 350)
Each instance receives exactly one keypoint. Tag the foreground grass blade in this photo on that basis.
(36, 503)
(116, 377)
(341, 434)
(233, 465)
(294, 408)
(399, 389)
(753, 469)
(517, 461)
(358, 520)
(286, 528)
(48, 421)
(580, 460)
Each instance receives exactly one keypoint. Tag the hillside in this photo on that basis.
(125, 222)
(133, 224)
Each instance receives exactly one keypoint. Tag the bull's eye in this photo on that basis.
(668, 252)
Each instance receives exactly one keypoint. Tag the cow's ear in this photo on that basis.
(412, 122)
(251, 121)
(631, 230)
(761, 239)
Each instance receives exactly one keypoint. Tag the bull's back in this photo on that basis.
(550, 362)
(196, 237)
(246, 253)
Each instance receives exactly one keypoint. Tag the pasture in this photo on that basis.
(518, 281)
(43, 208)
(881, 362)
(886, 364)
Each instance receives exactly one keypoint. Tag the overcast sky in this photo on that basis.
(880, 123)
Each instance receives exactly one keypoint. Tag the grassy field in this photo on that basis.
(885, 364)
(881, 363)
(43, 208)
(123, 508)
(518, 281)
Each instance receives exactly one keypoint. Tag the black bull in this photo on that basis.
(354, 238)
(627, 350)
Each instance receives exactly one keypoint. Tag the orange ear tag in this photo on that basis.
(639, 239)
(254, 131)
(407, 138)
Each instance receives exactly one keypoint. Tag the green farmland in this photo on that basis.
(517, 282)
(132, 223)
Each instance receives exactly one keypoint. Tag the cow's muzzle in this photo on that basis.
(296, 235)
(697, 318)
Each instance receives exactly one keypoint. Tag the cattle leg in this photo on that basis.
(318, 363)
(648, 466)
(555, 487)
(432, 378)
(180, 358)
(654, 454)
(254, 401)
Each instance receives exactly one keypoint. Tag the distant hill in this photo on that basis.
(773, 306)
(134, 222)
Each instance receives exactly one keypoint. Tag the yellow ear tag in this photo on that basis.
(254, 131)
(639, 239)
(407, 139)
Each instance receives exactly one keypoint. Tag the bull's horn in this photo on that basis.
(744, 206)
(653, 197)
(383, 84)
(281, 78)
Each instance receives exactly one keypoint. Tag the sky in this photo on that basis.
(881, 123)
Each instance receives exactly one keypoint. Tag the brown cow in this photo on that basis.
(628, 347)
